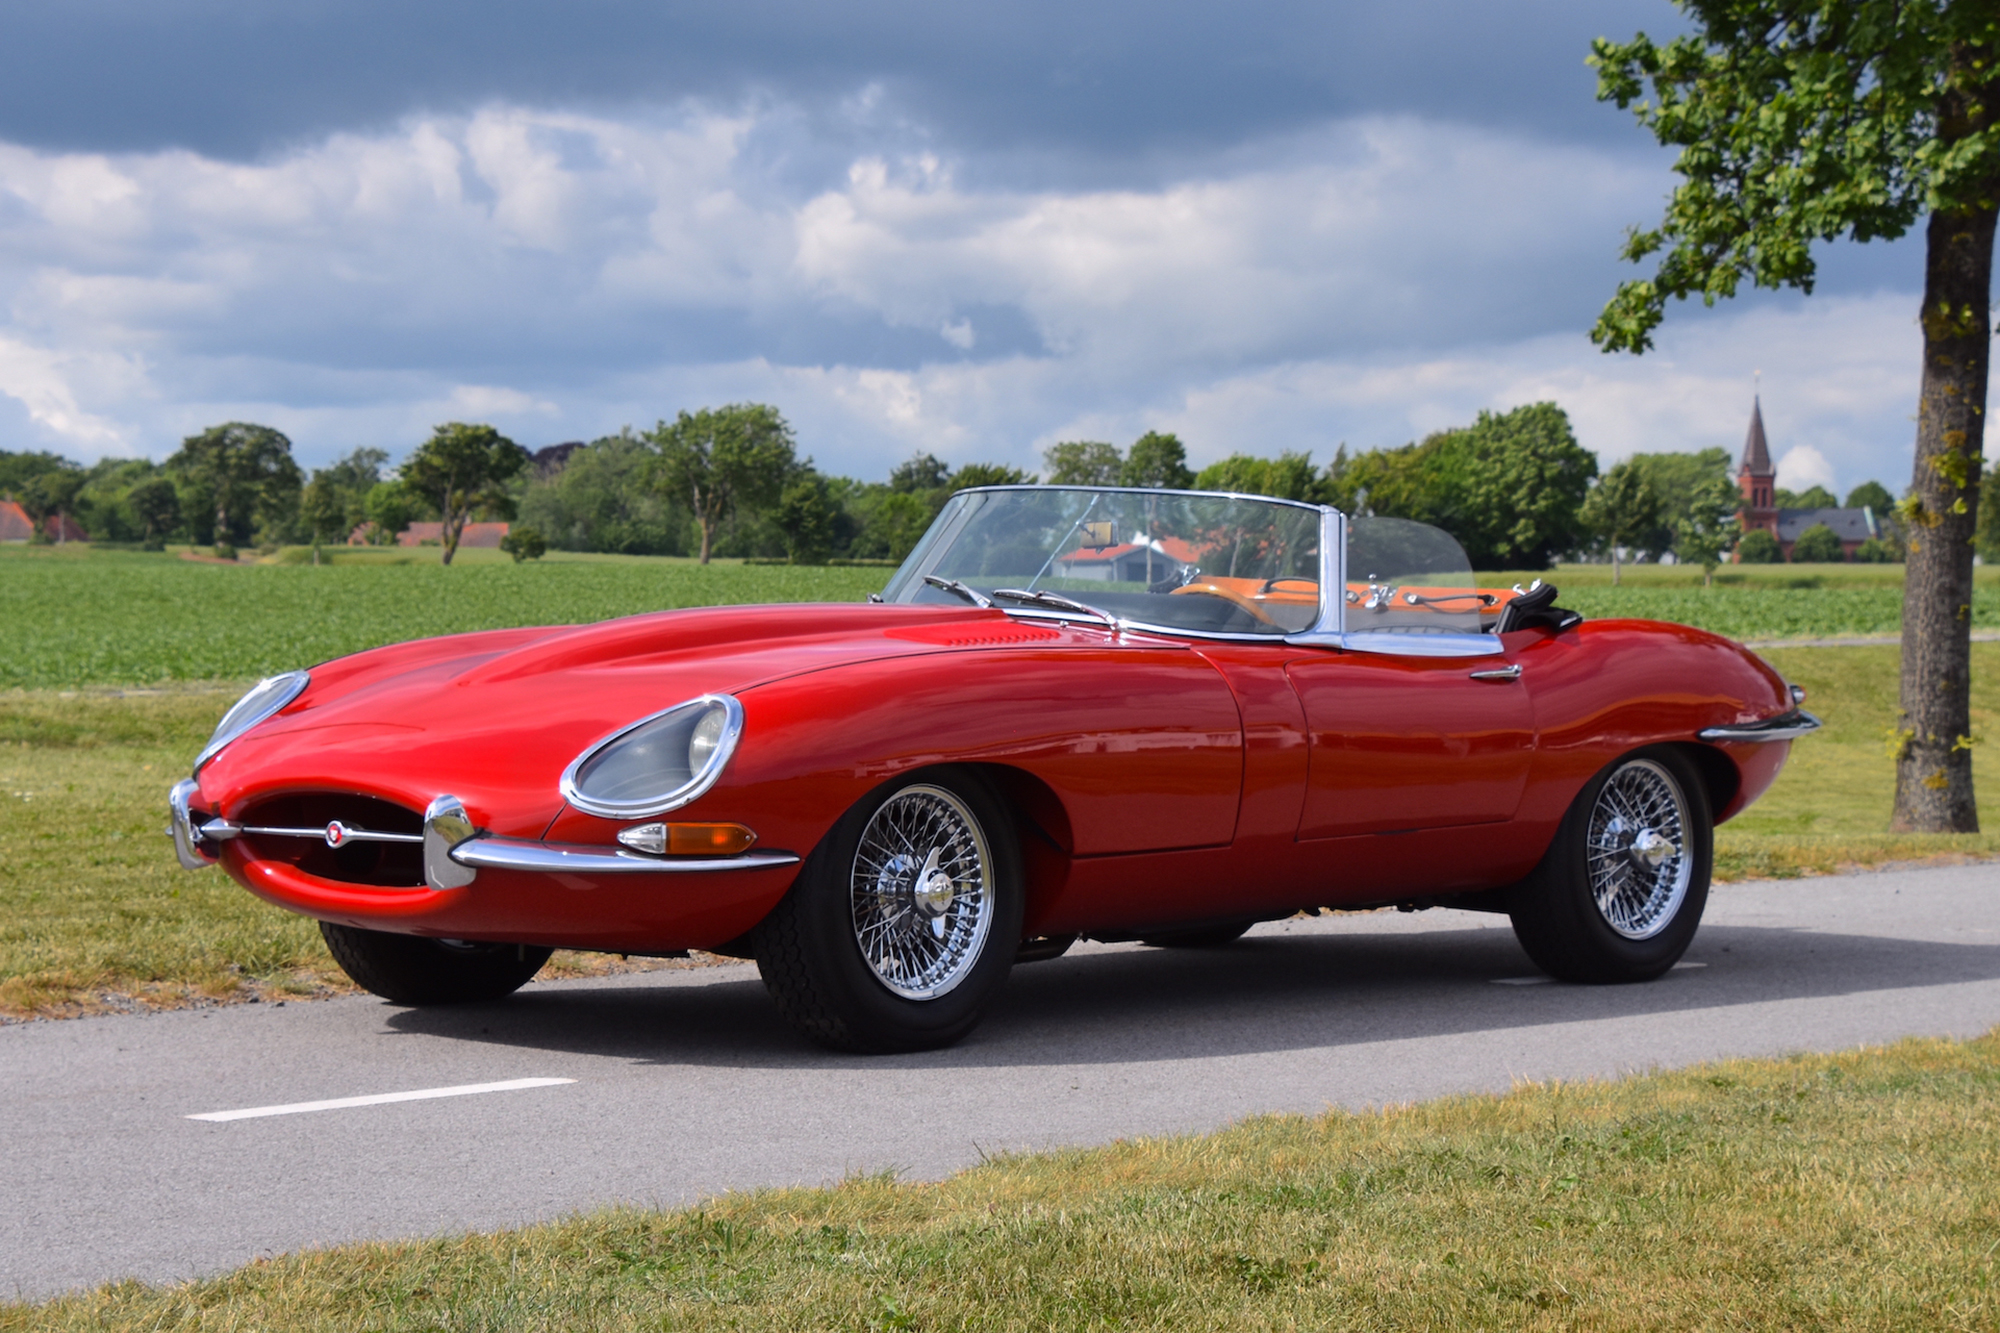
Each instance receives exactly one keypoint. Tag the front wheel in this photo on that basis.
(1621, 890)
(903, 923)
(410, 969)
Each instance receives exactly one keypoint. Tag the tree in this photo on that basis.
(323, 511)
(1817, 545)
(1084, 463)
(1876, 551)
(49, 497)
(461, 468)
(1812, 497)
(389, 507)
(524, 542)
(805, 515)
(157, 506)
(986, 474)
(1800, 124)
(1621, 509)
(1872, 495)
(1289, 476)
(1759, 547)
(243, 471)
(1706, 524)
(922, 472)
(1677, 479)
(1156, 460)
(717, 459)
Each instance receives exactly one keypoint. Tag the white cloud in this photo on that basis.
(1804, 467)
(564, 274)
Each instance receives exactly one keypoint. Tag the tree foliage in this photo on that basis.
(1622, 509)
(241, 473)
(462, 468)
(1798, 123)
(1759, 547)
(1084, 463)
(717, 459)
(1156, 460)
(1817, 545)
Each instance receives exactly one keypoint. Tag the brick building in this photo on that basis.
(1759, 479)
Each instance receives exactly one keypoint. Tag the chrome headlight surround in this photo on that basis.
(717, 739)
(265, 699)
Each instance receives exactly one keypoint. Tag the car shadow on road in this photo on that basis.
(1265, 994)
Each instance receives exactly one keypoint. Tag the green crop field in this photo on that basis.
(75, 617)
(1849, 1191)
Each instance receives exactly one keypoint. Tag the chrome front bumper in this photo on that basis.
(455, 849)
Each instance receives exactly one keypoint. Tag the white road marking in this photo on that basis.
(377, 1099)
(1678, 966)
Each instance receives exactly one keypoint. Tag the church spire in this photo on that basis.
(1756, 476)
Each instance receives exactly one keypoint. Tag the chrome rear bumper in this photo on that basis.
(1784, 727)
(455, 849)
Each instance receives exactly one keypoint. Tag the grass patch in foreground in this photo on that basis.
(1857, 1191)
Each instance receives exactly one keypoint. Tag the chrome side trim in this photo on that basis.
(1394, 643)
(446, 826)
(1509, 672)
(1784, 727)
(335, 834)
(187, 841)
(485, 851)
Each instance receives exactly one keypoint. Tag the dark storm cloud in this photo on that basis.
(1045, 82)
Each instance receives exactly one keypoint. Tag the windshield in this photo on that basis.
(1206, 564)
(1412, 578)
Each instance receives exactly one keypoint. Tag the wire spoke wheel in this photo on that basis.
(1637, 854)
(922, 892)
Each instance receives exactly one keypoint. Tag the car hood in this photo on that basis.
(495, 717)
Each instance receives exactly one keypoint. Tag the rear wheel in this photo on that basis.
(410, 969)
(1621, 891)
(903, 923)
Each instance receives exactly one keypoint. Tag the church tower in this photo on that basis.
(1757, 477)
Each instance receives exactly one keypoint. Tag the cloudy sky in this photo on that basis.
(971, 230)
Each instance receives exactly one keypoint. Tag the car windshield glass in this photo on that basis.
(1410, 577)
(1209, 564)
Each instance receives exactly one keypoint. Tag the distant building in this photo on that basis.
(1759, 482)
(15, 525)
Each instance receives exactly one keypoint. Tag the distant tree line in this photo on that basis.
(1515, 488)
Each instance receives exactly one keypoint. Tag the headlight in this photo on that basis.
(266, 697)
(657, 764)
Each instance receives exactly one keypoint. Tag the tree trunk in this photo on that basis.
(1614, 562)
(448, 531)
(707, 533)
(1934, 759)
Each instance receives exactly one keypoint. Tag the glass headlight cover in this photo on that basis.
(659, 763)
(264, 700)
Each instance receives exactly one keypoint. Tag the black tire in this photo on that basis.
(1646, 914)
(858, 959)
(410, 969)
(1203, 937)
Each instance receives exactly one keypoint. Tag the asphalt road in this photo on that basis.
(686, 1084)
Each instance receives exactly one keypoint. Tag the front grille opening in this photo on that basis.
(388, 865)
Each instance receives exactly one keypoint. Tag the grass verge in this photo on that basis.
(1854, 1191)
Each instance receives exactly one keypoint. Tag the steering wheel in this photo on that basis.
(1227, 595)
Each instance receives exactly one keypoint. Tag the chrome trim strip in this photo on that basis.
(1397, 644)
(1784, 727)
(222, 830)
(1511, 672)
(732, 731)
(187, 842)
(486, 852)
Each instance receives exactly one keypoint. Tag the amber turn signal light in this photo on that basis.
(688, 839)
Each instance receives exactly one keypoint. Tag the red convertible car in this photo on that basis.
(1073, 711)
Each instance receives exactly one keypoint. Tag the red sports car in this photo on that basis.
(1073, 711)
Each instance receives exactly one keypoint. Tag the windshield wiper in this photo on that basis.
(972, 595)
(1057, 600)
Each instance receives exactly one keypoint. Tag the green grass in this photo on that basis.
(1852, 1191)
(77, 618)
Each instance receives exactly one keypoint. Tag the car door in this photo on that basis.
(1398, 742)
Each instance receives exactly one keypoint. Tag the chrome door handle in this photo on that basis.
(1512, 672)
